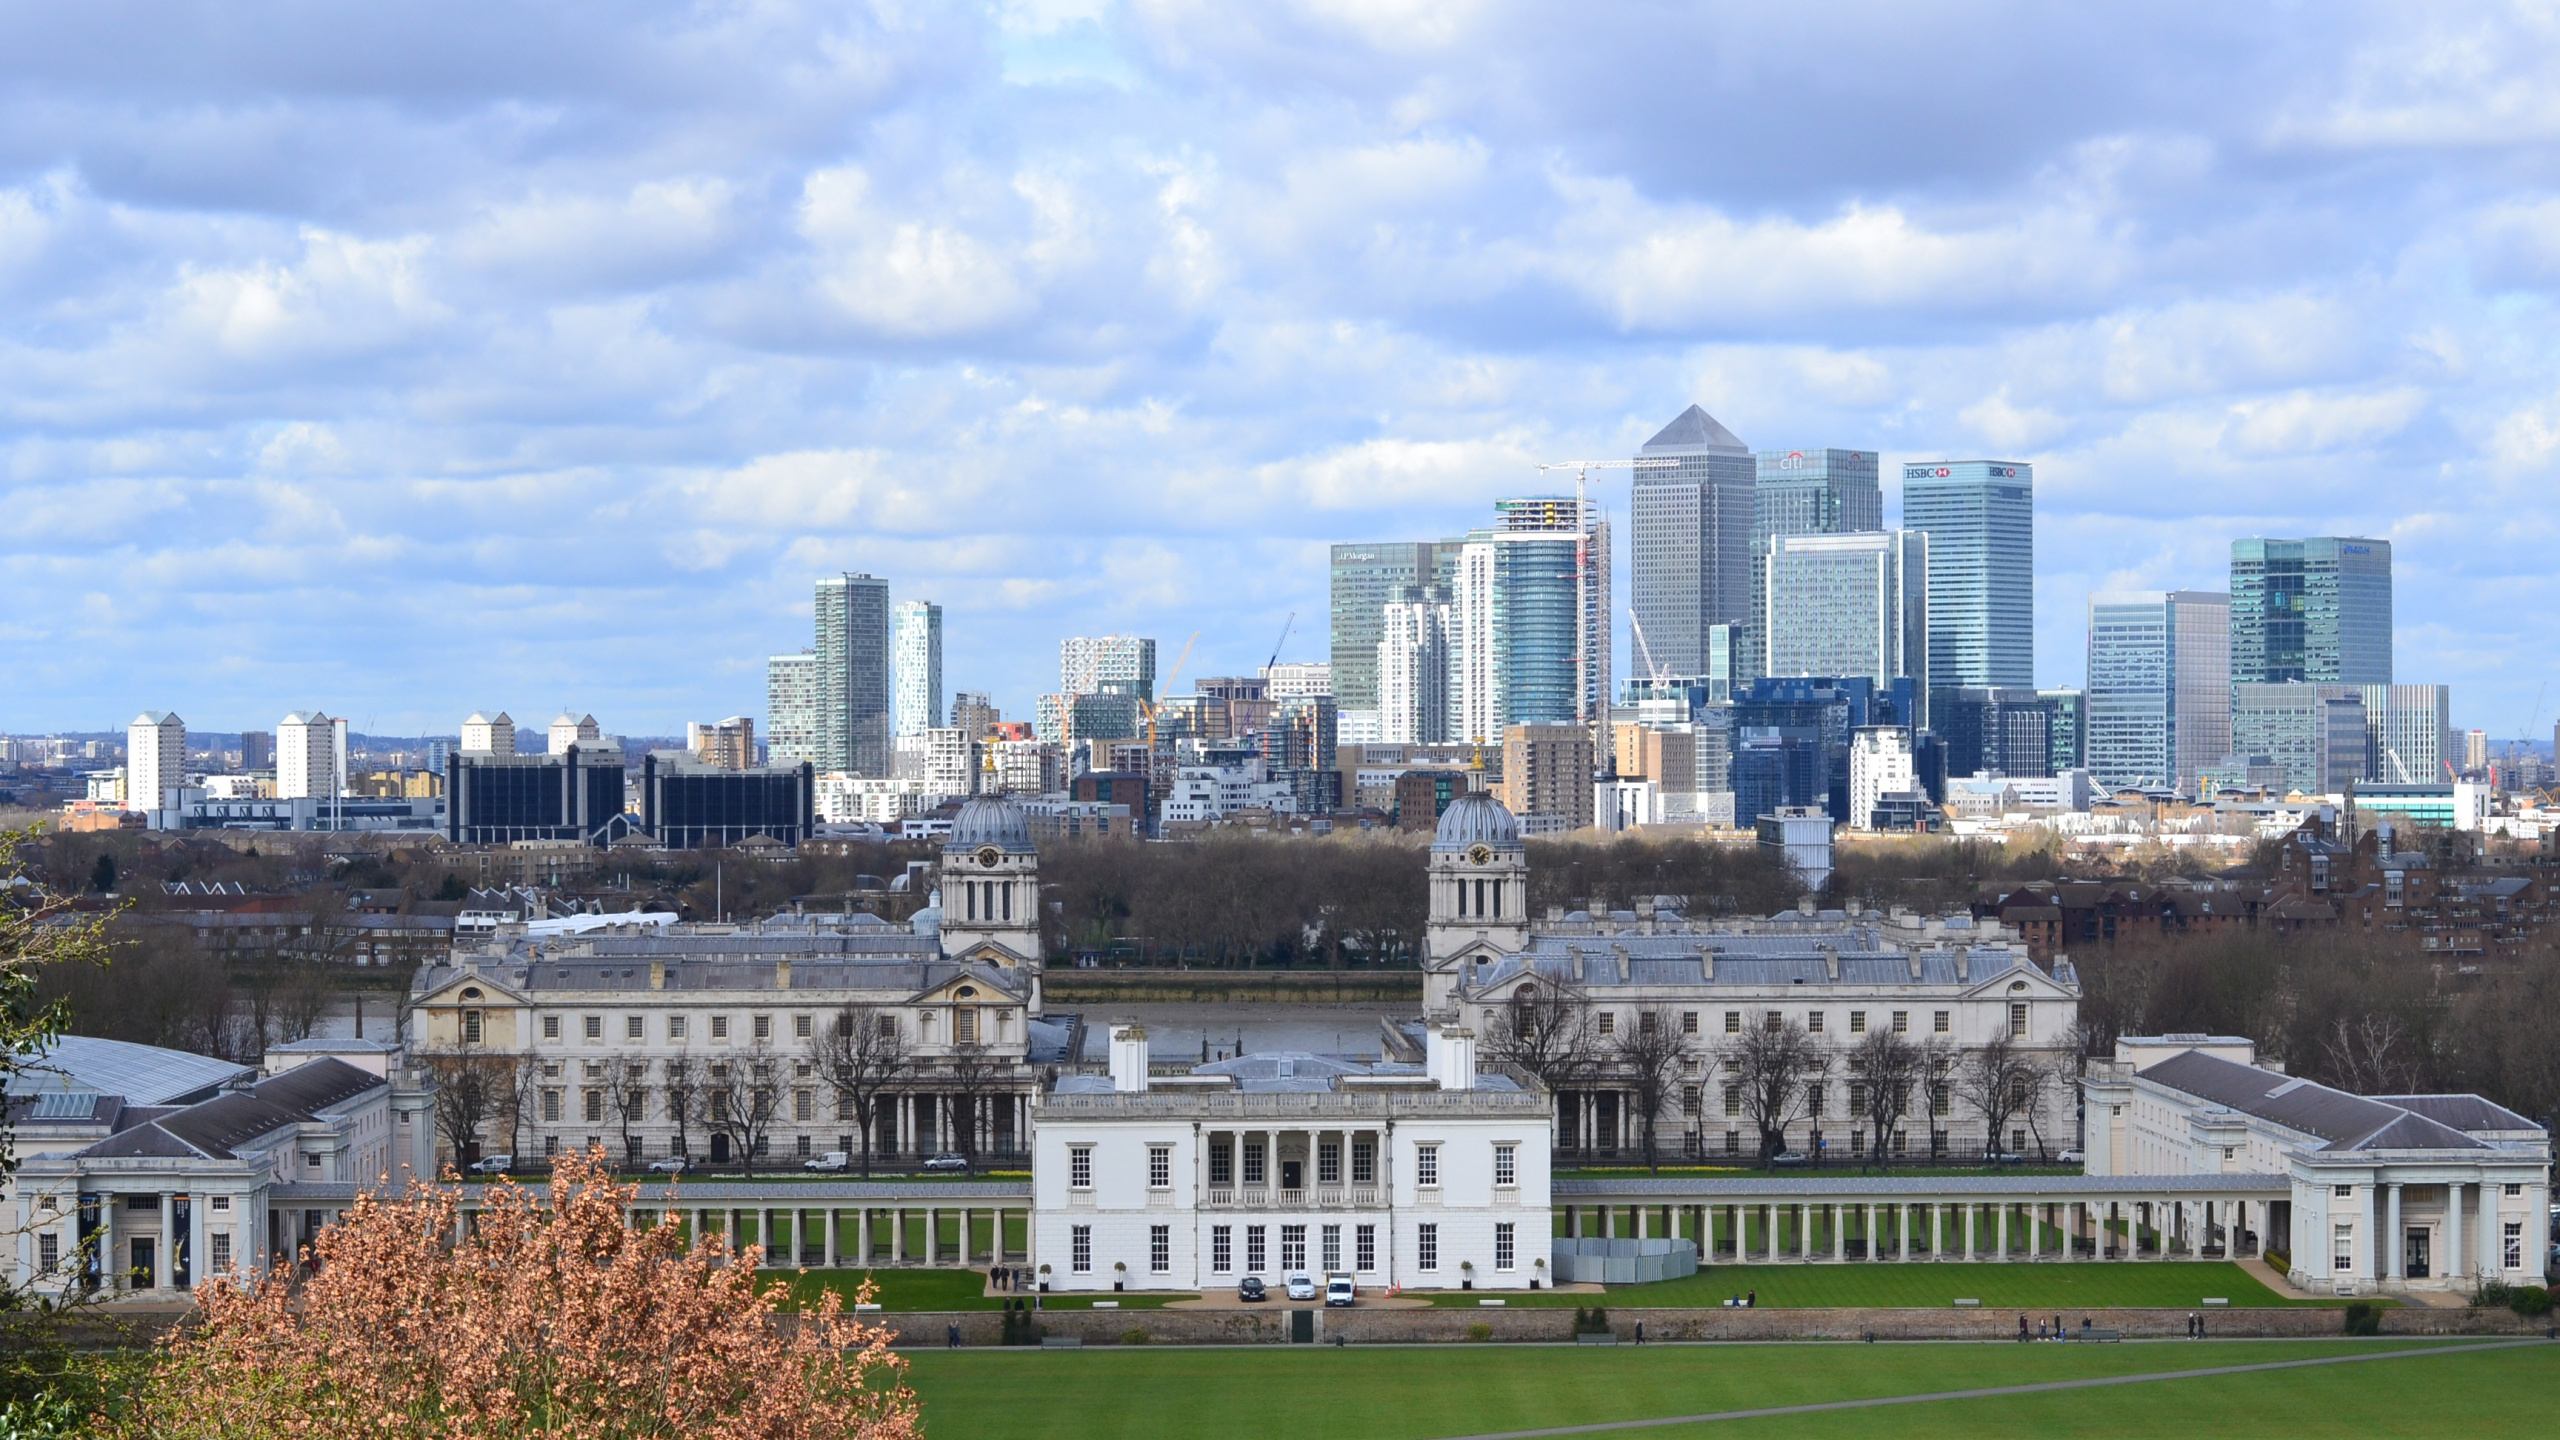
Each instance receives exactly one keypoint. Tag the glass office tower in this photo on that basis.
(2316, 610)
(1980, 518)
(2159, 697)
(853, 665)
(1851, 606)
(1801, 492)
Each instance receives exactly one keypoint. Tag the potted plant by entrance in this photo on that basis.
(1119, 1274)
(1466, 1274)
(1044, 1279)
(1538, 1273)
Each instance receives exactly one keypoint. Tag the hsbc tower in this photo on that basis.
(1980, 516)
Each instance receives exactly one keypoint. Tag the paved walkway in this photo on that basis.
(1990, 1392)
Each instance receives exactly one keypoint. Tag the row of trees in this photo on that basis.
(1780, 1072)
(2376, 1014)
(1238, 900)
(860, 1062)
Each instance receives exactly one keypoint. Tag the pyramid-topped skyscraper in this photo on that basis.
(1690, 545)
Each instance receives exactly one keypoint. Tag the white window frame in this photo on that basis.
(1079, 1167)
(1222, 1249)
(1506, 1166)
(1426, 1166)
(1426, 1247)
(1080, 1249)
(1364, 1248)
(1159, 1249)
(1159, 1167)
(1506, 1250)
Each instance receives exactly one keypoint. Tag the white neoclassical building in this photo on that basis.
(127, 1198)
(606, 1009)
(1429, 1176)
(2387, 1192)
(1953, 984)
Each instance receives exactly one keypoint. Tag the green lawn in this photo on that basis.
(1395, 1393)
(2049, 1286)
(909, 1290)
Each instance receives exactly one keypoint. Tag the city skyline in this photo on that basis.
(560, 383)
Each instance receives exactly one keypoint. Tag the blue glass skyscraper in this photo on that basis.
(2316, 610)
(1980, 517)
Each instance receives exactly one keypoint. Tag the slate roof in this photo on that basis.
(2347, 1122)
(1746, 961)
(142, 1074)
(216, 1128)
(2472, 1113)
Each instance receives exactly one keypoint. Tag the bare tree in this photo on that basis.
(1650, 1055)
(742, 1099)
(971, 1073)
(862, 1057)
(1547, 1029)
(468, 1087)
(2372, 1055)
(1883, 1068)
(1997, 1079)
(523, 1083)
(2052, 1077)
(1778, 1067)
(685, 1080)
(627, 1096)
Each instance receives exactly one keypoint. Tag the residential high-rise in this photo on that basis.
(568, 730)
(791, 708)
(486, 734)
(2408, 725)
(2159, 698)
(1412, 668)
(1546, 777)
(1512, 633)
(1689, 545)
(723, 744)
(1086, 663)
(853, 675)
(155, 758)
(1298, 680)
(974, 713)
(1365, 578)
(1980, 517)
(2475, 751)
(1551, 515)
(306, 756)
(1851, 605)
(2317, 610)
(257, 750)
(918, 624)
(1880, 764)
(1801, 492)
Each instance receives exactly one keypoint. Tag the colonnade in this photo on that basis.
(852, 1236)
(1851, 1227)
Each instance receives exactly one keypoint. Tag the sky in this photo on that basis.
(404, 360)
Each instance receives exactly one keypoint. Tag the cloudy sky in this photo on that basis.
(451, 356)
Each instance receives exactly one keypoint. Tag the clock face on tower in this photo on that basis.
(989, 856)
(1481, 854)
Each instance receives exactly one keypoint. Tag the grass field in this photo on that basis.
(2179, 1284)
(911, 1290)
(1315, 1393)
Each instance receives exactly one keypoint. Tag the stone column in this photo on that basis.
(830, 1240)
(1969, 1248)
(164, 1272)
(2492, 1259)
(1769, 1221)
(1902, 1229)
(1641, 1220)
(2394, 1266)
(1839, 1232)
(862, 1238)
(2000, 1234)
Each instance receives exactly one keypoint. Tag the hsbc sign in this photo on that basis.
(1942, 472)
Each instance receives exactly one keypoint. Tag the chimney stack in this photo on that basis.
(1129, 1058)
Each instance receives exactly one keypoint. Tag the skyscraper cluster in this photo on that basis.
(2286, 678)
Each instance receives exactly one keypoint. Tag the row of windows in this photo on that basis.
(1222, 1169)
(964, 1026)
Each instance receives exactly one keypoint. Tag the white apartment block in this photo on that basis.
(1297, 680)
(1418, 1176)
(568, 730)
(482, 733)
(1879, 765)
(2388, 1193)
(155, 758)
(916, 654)
(308, 756)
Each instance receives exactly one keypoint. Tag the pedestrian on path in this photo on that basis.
(951, 1339)
(1639, 1332)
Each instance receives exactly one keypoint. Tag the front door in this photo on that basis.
(145, 1272)
(1293, 1174)
(2420, 1254)
(719, 1149)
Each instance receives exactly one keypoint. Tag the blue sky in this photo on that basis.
(408, 359)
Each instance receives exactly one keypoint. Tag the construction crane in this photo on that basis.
(1290, 625)
(1156, 706)
(1654, 672)
(1596, 719)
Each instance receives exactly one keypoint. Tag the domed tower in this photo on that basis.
(1479, 893)
(991, 886)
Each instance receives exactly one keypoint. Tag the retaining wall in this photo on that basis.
(1362, 1325)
